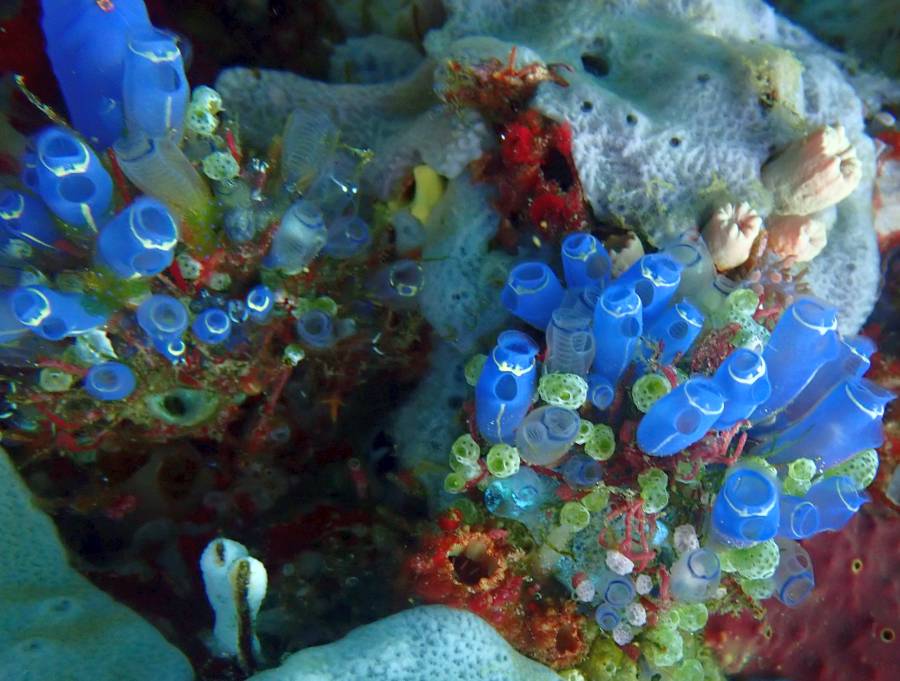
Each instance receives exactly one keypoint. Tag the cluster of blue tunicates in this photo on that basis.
(820, 410)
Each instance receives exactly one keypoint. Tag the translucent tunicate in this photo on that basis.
(298, 239)
(347, 237)
(398, 284)
(695, 576)
(794, 579)
(308, 142)
(546, 434)
(109, 381)
(570, 342)
(159, 168)
(316, 329)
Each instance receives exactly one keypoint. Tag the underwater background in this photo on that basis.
(461, 340)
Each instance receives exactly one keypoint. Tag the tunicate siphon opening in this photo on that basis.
(748, 489)
(155, 224)
(645, 291)
(76, 188)
(530, 275)
(473, 562)
(568, 640)
(687, 421)
(630, 328)
(54, 328)
(506, 388)
(814, 314)
(703, 564)
(61, 149)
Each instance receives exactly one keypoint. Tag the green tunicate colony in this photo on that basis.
(502, 460)
(601, 444)
(648, 389)
(861, 468)
(654, 489)
(563, 390)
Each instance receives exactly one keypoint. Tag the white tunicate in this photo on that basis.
(685, 539)
(636, 614)
(298, 239)
(619, 563)
(235, 586)
(623, 635)
(643, 584)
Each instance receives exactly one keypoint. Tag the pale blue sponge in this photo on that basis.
(429, 643)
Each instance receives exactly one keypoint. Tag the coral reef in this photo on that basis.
(537, 319)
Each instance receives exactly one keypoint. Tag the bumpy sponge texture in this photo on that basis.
(430, 643)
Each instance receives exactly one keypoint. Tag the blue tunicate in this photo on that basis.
(71, 180)
(506, 387)
(53, 315)
(109, 381)
(347, 237)
(585, 261)
(680, 418)
(794, 580)
(532, 293)
(154, 87)
(24, 217)
(661, 534)
(617, 590)
(86, 45)
(799, 518)
(172, 349)
(803, 340)
(655, 278)
(212, 326)
(580, 470)
(852, 361)
(746, 509)
(298, 239)
(546, 434)
(607, 617)
(570, 342)
(600, 391)
(676, 329)
(847, 420)
(162, 317)
(744, 383)
(695, 576)
(836, 499)
(316, 329)
(399, 284)
(520, 495)
(237, 311)
(617, 329)
(140, 241)
(260, 301)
